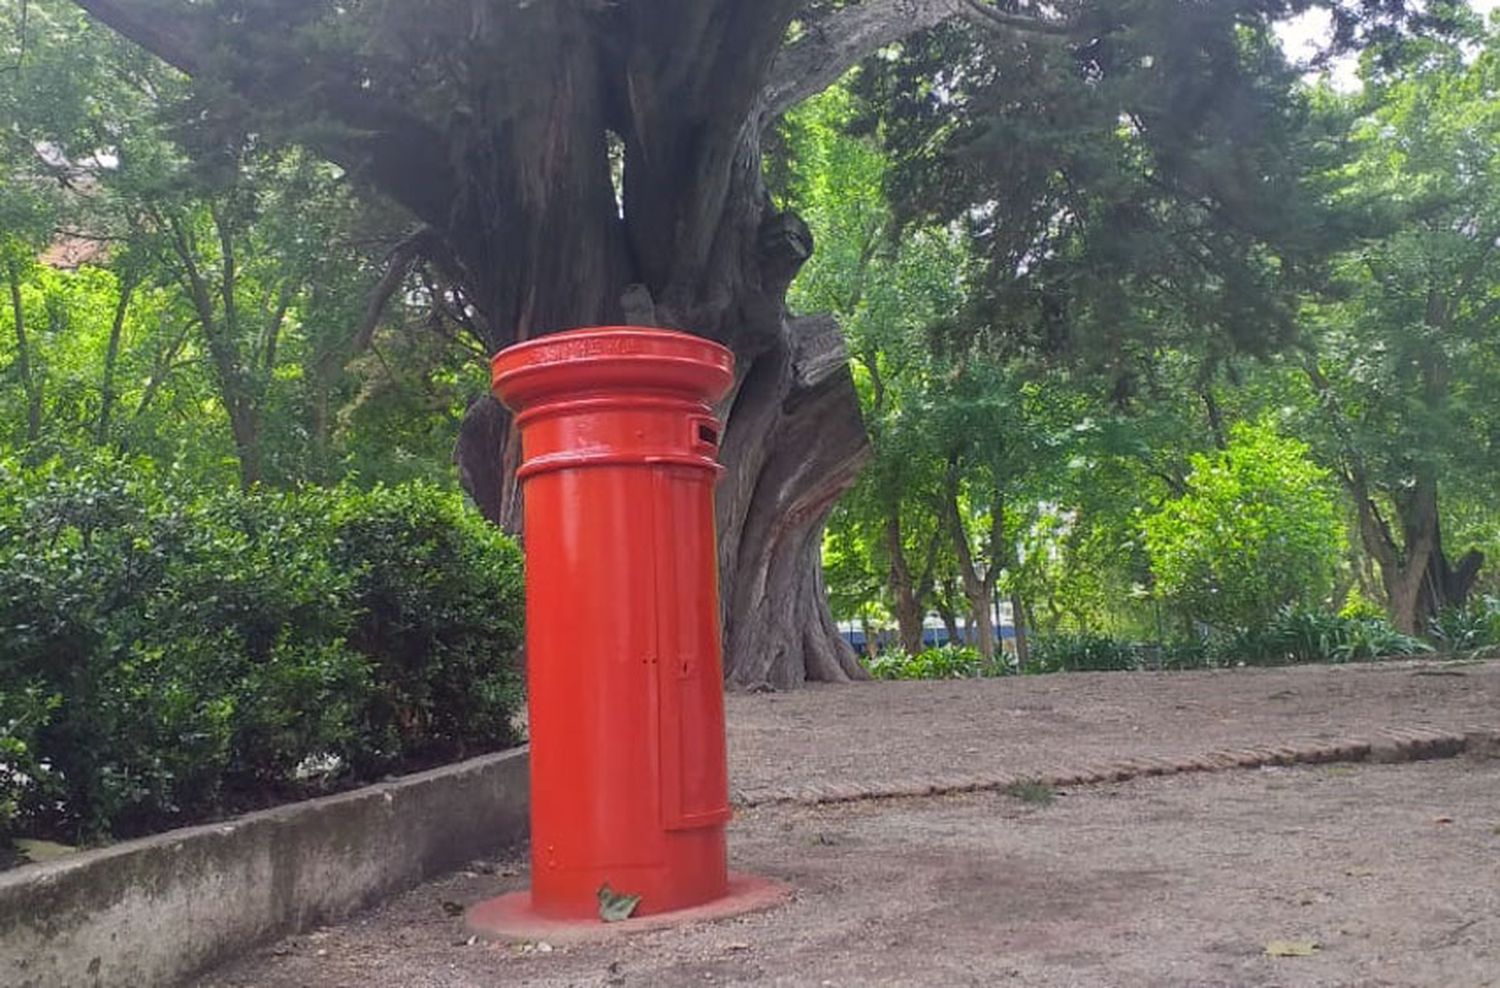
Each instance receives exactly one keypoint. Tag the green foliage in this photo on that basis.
(436, 593)
(1296, 635)
(1081, 652)
(1257, 529)
(178, 654)
(1292, 635)
(943, 662)
(25, 711)
(1469, 628)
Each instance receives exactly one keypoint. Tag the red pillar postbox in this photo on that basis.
(625, 690)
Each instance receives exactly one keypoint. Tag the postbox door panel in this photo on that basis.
(593, 650)
(695, 785)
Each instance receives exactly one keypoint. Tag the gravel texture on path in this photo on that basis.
(1389, 875)
(878, 736)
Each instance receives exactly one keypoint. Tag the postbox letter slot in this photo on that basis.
(708, 435)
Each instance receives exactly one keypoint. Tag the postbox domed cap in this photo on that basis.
(605, 359)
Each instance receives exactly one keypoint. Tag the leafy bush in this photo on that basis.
(23, 714)
(437, 593)
(1357, 605)
(1258, 529)
(1297, 635)
(1081, 652)
(168, 655)
(943, 662)
(1187, 654)
(1466, 629)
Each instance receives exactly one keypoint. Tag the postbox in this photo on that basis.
(629, 783)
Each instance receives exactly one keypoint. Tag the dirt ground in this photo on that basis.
(887, 733)
(1387, 875)
(1393, 872)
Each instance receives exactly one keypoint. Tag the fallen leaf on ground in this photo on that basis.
(1292, 948)
(615, 906)
(1442, 819)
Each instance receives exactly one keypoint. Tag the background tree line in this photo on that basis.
(1147, 333)
(1154, 336)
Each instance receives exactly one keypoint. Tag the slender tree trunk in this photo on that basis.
(981, 607)
(978, 587)
(950, 619)
(29, 384)
(107, 396)
(1023, 630)
(905, 587)
(1215, 418)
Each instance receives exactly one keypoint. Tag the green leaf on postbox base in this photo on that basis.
(615, 906)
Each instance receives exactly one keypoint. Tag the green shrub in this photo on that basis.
(169, 656)
(437, 593)
(1298, 635)
(943, 662)
(1186, 654)
(1081, 652)
(1257, 529)
(24, 711)
(1469, 628)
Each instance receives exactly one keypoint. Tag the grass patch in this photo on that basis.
(1033, 792)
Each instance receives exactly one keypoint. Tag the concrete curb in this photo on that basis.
(1398, 744)
(157, 910)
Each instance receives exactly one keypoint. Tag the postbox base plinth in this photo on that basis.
(510, 917)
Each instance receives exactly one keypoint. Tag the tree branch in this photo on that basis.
(165, 28)
(832, 47)
(387, 144)
(403, 257)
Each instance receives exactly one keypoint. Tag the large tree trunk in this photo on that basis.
(697, 246)
(794, 442)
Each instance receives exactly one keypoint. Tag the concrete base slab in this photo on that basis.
(510, 918)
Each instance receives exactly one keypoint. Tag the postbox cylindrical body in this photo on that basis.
(629, 785)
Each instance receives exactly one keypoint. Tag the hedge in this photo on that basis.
(170, 655)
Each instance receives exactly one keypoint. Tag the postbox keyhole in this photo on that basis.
(708, 434)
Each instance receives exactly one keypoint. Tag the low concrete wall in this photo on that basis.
(157, 910)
